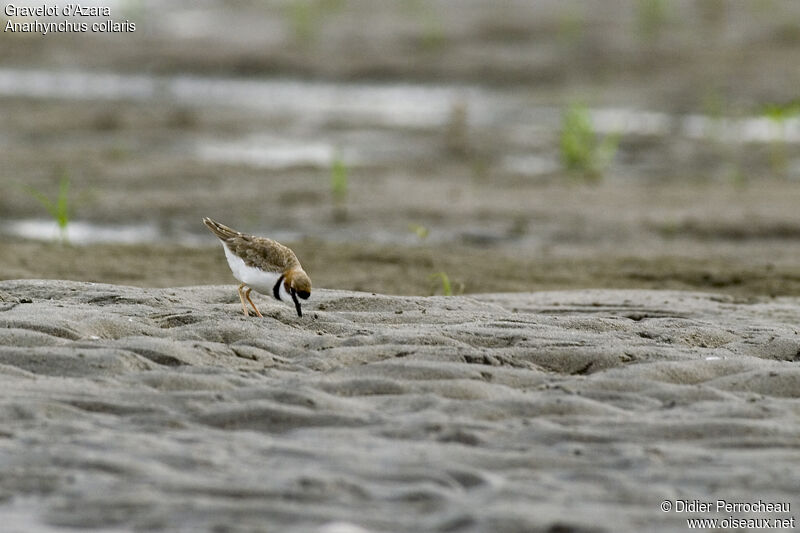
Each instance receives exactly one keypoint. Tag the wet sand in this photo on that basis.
(748, 270)
(167, 410)
(620, 50)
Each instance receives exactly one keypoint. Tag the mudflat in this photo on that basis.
(750, 269)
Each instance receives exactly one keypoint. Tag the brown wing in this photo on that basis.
(263, 253)
(259, 252)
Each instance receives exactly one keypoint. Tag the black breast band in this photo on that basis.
(276, 290)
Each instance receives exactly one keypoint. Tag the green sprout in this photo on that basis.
(447, 286)
(651, 16)
(420, 230)
(433, 35)
(582, 152)
(59, 209)
(339, 179)
(304, 20)
(339, 186)
(779, 114)
(447, 289)
(306, 17)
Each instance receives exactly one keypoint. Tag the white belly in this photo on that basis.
(258, 280)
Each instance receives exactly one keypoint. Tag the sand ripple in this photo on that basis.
(167, 410)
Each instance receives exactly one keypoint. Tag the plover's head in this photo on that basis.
(298, 282)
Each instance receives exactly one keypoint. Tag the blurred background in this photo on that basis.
(409, 146)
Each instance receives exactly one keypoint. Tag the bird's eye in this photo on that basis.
(303, 294)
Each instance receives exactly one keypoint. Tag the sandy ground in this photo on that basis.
(166, 410)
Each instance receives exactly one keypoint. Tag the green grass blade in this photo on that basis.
(447, 289)
(582, 151)
(62, 205)
(43, 200)
(339, 179)
(420, 230)
(58, 210)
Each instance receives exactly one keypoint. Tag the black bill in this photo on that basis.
(296, 303)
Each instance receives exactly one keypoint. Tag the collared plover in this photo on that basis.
(264, 265)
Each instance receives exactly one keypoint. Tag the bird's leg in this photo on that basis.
(247, 295)
(241, 298)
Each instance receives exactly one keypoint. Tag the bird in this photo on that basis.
(264, 265)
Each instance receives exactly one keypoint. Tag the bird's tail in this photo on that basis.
(220, 230)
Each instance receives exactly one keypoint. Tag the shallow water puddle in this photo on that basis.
(82, 233)
(268, 153)
(389, 105)
(396, 105)
(368, 124)
(79, 232)
(360, 148)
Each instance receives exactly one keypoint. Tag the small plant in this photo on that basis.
(447, 289)
(651, 16)
(432, 36)
(339, 186)
(304, 21)
(306, 17)
(59, 209)
(420, 230)
(779, 114)
(582, 151)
